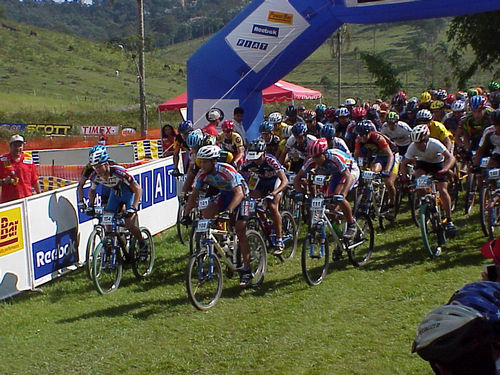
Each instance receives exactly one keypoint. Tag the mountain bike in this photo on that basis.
(94, 239)
(183, 231)
(287, 203)
(490, 204)
(215, 241)
(118, 246)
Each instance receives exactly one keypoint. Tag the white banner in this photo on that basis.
(108, 130)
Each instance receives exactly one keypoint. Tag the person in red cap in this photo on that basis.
(491, 249)
(17, 174)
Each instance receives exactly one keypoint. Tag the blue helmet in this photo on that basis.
(185, 126)
(482, 296)
(299, 129)
(320, 110)
(98, 155)
(364, 127)
(477, 102)
(266, 127)
(195, 138)
(327, 131)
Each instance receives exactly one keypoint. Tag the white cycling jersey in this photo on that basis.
(433, 152)
(490, 139)
(400, 135)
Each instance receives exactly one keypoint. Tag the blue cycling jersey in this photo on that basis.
(224, 177)
(336, 162)
(269, 168)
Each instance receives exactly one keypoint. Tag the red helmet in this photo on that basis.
(450, 99)
(358, 112)
(384, 106)
(330, 112)
(227, 125)
(317, 147)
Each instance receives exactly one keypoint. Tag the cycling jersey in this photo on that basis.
(278, 129)
(272, 146)
(376, 144)
(475, 129)
(340, 144)
(490, 140)
(351, 134)
(451, 122)
(336, 163)
(180, 143)
(224, 177)
(287, 121)
(341, 130)
(232, 145)
(439, 131)
(296, 151)
(269, 168)
(433, 152)
(118, 178)
(400, 135)
(405, 117)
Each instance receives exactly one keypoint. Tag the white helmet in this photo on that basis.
(343, 112)
(458, 106)
(213, 114)
(286, 132)
(275, 118)
(208, 152)
(420, 133)
(424, 114)
(350, 101)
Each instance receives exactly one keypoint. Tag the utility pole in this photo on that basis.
(339, 63)
(142, 90)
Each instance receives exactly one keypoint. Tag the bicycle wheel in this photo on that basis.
(105, 275)
(360, 249)
(258, 256)
(432, 233)
(315, 255)
(95, 238)
(493, 219)
(183, 231)
(414, 201)
(143, 268)
(470, 192)
(204, 280)
(385, 218)
(453, 189)
(485, 198)
(290, 235)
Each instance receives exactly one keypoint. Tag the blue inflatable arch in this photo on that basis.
(269, 38)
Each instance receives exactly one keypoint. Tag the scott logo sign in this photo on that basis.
(11, 233)
(252, 44)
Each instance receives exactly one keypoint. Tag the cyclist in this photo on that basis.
(296, 147)
(343, 122)
(344, 174)
(425, 100)
(267, 179)
(272, 141)
(124, 190)
(330, 115)
(313, 126)
(349, 104)
(437, 129)
(437, 110)
(431, 157)
(184, 128)
(276, 119)
(370, 142)
(410, 114)
(320, 113)
(398, 131)
(328, 132)
(472, 126)
(231, 141)
(398, 102)
(463, 336)
(300, 110)
(291, 115)
(358, 114)
(233, 190)
(214, 116)
(373, 114)
(489, 140)
(494, 94)
(452, 120)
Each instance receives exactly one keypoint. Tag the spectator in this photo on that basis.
(17, 175)
(238, 123)
(103, 138)
(168, 134)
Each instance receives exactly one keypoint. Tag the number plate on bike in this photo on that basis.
(291, 178)
(203, 203)
(423, 182)
(319, 180)
(251, 206)
(494, 173)
(203, 225)
(107, 218)
(317, 204)
(484, 162)
(368, 175)
(99, 210)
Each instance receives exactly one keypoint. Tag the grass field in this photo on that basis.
(358, 321)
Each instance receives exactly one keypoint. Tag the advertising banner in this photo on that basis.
(13, 126)
(49, 129)
(14, 265)
(107, 130)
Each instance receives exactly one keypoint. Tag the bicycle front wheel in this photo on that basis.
(414, 201)
(106, 272)
(95, 238)
(290, 235)
(183, 231)
(142, 266)
(204, 280)
(432, 232)
(315, 255)
(360, 249)
(258, 256)
(483, 208)
(470, 193)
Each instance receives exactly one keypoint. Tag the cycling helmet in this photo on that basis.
(412, 106)
(291, 111)
(286, 132)
(462, 95)
(214, 114)
(399, 98)
(343, 112)
(437, 104)
(364, 127)
(209, 140)
(185, 126)
(299, 129)
(275, 118)
(227, 125)
(472, 92)
(358, 112)
(320, 110)
(317, 147)
(493, 86)
(424, 114)
(266, 127)
(483, 296)
(425, 97)
(450, 98)
(98, 155)
(420, 133)
(301, 107)
(195, 138)
(327, 131)
(256, 149)
(350, 101)
(208, 152)
(441, 95)
(309, 115)
(384, 106)
(480, 90)
(392, 117)
(458, 106)
(495, 116)
(329, 112)
(477, 102)
(375, 107)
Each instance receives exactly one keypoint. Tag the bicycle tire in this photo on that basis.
(204, 287)
(384, 207)
(314, 260)
(144, 268)
(290, 236)
(453, 189)
(470, 192)
(484, 201)
(414, 202)
(106, 278)
(258, 256)
(183, 231)
(94, 239)
(493, 213)
(430, 227)
(365, 236)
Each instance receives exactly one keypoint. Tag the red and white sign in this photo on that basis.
(128, 131)
(107, 130)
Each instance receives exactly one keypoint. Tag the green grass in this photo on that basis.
(358, 321)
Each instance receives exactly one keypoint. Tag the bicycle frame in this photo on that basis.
(373, 193)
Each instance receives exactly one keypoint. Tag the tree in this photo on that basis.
(481, 33)
(385, 75)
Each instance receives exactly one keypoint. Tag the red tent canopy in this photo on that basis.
(278, 92)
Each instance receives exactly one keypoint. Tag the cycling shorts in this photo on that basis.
(432, 169)
(267, 185)
(241, 212)
(118, 197)
(383, 161)
(339, 179)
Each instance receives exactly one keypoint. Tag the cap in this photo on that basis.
(17, 138)
(253, 155)
(491, 249)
